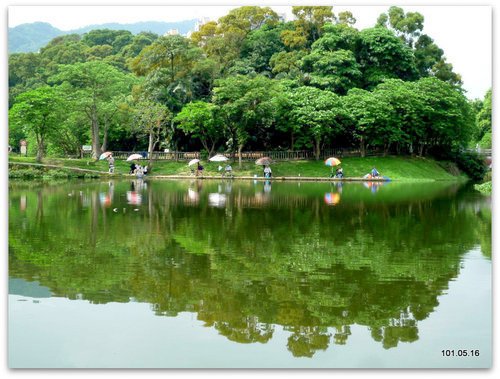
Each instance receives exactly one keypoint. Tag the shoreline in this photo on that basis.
(104, 174)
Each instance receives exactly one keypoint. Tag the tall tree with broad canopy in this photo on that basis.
(370, 119)
(446, 115)
(93, 85)
(408, 26)
(151, 119)
(483, 122)
(307, 26)
(246, 105)
(38, 111)
(381, 55)
(199, 119)
(315, 114)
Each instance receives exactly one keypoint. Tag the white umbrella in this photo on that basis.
(193, 161)
(218, 158)
(133, 157)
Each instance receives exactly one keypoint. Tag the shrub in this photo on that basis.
(472, 164)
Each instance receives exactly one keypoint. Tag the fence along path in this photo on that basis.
(246, 155)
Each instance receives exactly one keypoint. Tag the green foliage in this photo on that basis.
(315, 115)
(472, 164)
(246, 105)
(199, 119)
(485, 188)
(484, 118)
(38, 112)
(382, 55)
(487, 141)
(403, 113)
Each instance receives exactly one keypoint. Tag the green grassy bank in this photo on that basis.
(396, 168)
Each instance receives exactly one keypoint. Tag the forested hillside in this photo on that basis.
(29, 38)
(249, 80)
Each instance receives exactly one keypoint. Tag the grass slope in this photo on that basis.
(396, 168)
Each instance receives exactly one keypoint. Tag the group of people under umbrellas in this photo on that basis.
(228, 170)
(339, 172)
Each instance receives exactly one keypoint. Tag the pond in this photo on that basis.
(244, 274)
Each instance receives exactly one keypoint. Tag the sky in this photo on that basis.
(463, 32)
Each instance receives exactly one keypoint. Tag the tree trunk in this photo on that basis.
(317, 148)
(104, 146)
(421, 150)
(40, 148)
(292, 140)
(362, 148)
(152, 144)
(386, 149)
(240, 148)
(96, 146)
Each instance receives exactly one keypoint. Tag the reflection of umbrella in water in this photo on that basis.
(133, 157)
(193, 161)
(218, 158)
(134, 198)
(193, 196)
(332, 161)
(264, 161)
(332, 198)
(105, 199)
(217, 200)
(105, 155)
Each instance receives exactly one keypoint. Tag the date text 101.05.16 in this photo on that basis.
(460, 353)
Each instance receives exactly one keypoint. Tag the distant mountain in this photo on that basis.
(26, 38)
(150, 26)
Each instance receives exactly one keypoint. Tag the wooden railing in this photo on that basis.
(277, 155)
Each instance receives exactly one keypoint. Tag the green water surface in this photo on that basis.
(248, 274)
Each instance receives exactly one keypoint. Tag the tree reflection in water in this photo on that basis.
(246, 258)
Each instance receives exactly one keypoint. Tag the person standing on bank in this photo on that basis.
(111, 162)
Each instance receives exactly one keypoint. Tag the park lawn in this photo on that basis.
(396, 168)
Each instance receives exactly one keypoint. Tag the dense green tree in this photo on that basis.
(307, 26)
(408, 25)
(446, 115)
(38, 111)
(199, 119)
(287, 64)
(484, 121)
(260, 45)
(336, 37)
(369, 117)
(151, 119)
(403, 123)
(138, 42)
(427, 54)
(381, 55)
(25, 73)
(346, 18)
(336, 71)
(316, 115)
(246, 106)
(94, 86)
(444, 71)
(117, 39)
(66, 49)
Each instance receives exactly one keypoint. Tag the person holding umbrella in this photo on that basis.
(267, 172)
(199, 170)
(332, 162)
